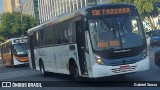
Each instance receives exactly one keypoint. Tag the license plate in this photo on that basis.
(124, 67)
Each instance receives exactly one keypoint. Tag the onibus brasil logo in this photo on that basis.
(20, 84)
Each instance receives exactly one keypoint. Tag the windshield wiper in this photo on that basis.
(121, 24)
(111, 28)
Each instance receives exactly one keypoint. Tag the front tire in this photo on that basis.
(42, 69)
(74, 71)
(157, 60)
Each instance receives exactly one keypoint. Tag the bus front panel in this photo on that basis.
(117, 39)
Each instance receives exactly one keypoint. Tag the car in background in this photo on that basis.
(154, 38)
(157, 57)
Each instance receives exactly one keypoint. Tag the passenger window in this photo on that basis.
(68, 32)
(49, 34)
(58, 34)
(42, 40)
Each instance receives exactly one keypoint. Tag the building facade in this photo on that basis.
(10, 5)
(29, 7)
(51, 8)
(43, 10)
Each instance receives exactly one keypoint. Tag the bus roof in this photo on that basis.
(76, 13)
(112, 5)
(12, 39)
(59, 18)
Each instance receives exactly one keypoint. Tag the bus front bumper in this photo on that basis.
(18, 62)
(102, 70)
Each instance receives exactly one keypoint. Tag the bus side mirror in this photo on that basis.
(85, 25)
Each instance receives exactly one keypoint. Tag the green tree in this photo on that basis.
(11, 25)
(147, 9)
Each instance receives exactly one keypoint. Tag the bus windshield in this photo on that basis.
(20, 49)
(116, 33)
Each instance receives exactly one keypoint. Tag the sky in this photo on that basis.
(1, 6)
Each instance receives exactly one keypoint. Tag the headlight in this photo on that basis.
(144, 54)
(99, 60)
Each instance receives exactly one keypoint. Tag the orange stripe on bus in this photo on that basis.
(22, 59)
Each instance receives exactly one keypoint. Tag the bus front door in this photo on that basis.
(31, 45)
(80, 39)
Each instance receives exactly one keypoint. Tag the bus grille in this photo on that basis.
(122, 55)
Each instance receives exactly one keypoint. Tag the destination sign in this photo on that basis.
(108, 44)
(112, 11)
(20, 41)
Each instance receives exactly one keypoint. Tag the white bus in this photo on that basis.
(14, 51)
(96, 41)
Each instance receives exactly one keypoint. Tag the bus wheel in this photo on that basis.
(42, 69)
(156, 60)
(76, 75)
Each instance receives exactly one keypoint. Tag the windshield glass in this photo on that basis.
(116, 32)
(20, 49)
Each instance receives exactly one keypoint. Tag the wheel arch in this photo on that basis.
(40, 61)
(70, 64)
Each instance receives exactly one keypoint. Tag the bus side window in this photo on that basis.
(54, 35)
(66, 33)
(8, 48)
(48, 34)
(14, 51)
(36, 39)
(72, 33)
(86, 43)
(58, 34)
(65, 36)
(42, 37)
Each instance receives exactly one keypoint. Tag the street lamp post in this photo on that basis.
(21, 8)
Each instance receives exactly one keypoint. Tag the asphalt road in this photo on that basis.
(23, 73)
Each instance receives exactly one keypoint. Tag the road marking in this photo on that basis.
(15, 74)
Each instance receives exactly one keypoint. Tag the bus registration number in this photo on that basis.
(124, 67)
